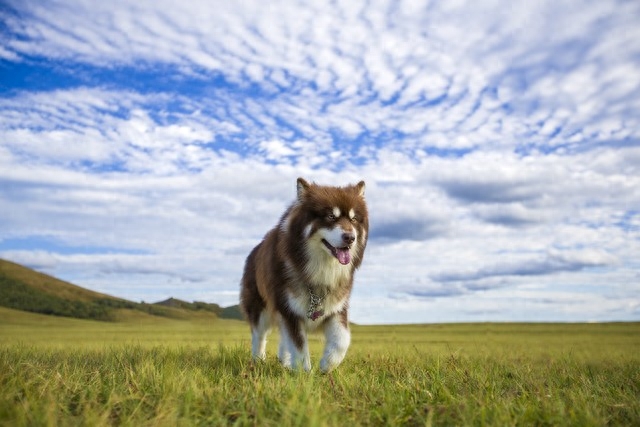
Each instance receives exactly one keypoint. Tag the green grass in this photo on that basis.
(146, 370)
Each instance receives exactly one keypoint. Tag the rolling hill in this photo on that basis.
(232, 312)
(22, 288)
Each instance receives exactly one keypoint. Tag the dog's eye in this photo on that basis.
(354, 219)
(331, 217)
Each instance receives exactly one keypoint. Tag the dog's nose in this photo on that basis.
(348, 238)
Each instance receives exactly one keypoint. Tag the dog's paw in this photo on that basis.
(330, 361)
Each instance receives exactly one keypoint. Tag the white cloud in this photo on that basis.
(499, 142)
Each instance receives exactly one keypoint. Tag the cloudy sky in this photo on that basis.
(147, 146)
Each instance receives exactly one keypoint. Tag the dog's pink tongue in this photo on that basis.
(343, 255)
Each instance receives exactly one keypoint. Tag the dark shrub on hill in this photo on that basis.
(16, 295)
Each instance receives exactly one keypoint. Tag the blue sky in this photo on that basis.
(146, 147)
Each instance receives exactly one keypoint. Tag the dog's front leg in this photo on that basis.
(294, 348)
(338, 338)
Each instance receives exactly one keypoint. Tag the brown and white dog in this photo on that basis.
(301, 275)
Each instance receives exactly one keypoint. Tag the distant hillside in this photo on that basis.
(232, 312)
(44, 283)
(196, 305)
(22, 288)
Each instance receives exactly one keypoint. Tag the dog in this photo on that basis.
(300, 276)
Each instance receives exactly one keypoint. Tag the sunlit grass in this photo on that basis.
(150, 371)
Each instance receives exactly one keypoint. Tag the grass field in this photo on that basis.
(146, 370)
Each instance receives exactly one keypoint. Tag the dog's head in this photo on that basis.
(336, 222)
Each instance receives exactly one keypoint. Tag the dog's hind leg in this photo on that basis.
(284, 354)
(254, 309)
(259, 332)
(294, 349)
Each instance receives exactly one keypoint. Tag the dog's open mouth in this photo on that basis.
(342, 254)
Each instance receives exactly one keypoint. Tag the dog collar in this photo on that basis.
(315, 305)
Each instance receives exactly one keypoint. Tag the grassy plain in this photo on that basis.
(145, 370)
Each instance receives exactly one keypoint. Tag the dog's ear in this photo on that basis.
(360, 188)
(303, 188)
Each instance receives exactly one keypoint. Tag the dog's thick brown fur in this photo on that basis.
(301, 275)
